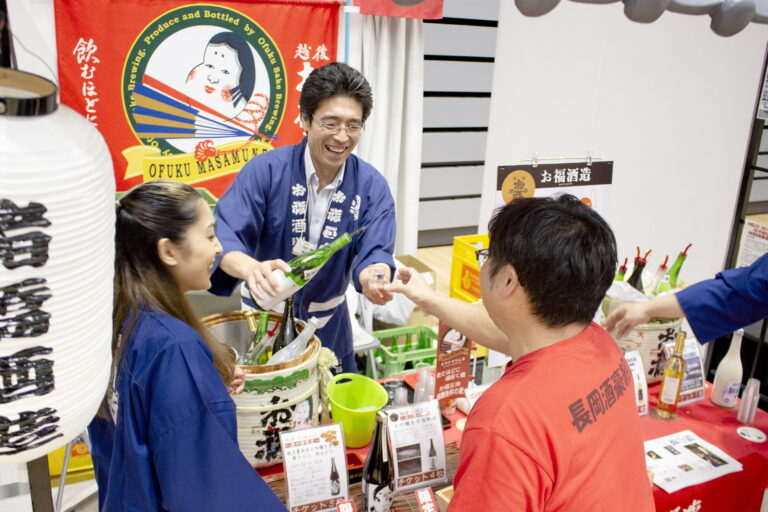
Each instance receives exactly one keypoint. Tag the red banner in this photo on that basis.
(424, 9)
(190, 92)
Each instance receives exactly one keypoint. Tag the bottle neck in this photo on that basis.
(734, 350)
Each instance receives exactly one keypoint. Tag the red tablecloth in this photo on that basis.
(735, 492)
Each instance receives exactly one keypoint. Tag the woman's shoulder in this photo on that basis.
(155, 328)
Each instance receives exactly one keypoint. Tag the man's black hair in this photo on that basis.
(564, 254)
(335, 79)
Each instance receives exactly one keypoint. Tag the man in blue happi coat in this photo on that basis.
(296, 198)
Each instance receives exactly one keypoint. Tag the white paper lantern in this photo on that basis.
(57, 217)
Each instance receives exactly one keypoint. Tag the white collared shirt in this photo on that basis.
(318, 201)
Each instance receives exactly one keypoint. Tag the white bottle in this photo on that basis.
(725, 390)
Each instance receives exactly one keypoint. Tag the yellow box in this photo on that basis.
(443, 497)
(80, 465)
(465, 271)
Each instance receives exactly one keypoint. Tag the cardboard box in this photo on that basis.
(754, 239)
(420, 266)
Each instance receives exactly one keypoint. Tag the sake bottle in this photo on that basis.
(259, 329)
(378, 472)
(725, 390)
(657, 278)
(622, 271)
(298, 345)
(335, 482)
(670, 280)
(671, 382)
(287, 330)
(636, 279)
(303, 268)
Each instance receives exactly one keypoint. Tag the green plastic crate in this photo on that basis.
(401, 346)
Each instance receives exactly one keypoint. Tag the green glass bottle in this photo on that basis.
(670, 279)
(622, 271)
(303, 268)
(259, 329)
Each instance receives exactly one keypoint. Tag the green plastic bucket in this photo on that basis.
(355, 400)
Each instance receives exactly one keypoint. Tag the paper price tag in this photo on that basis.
(346, 506)
(315, 463)
(426, 500)
(635, 363)
(416, 437)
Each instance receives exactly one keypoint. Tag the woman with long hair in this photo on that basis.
(166, 435)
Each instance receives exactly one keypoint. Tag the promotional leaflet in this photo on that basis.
(452, 367)
(315, 462)
(692, 389)
(416, 438)
(635, 363)
(684, 459)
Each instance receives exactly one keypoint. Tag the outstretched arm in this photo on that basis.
(471, 320)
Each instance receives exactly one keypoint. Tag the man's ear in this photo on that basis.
(305, 122)
(168, 252)
(507, 280)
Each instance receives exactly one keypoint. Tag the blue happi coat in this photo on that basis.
(264, 212)
(735, 298)
(173, 445)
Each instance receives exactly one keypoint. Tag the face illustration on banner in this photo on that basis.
(225, 79)
(382, 499)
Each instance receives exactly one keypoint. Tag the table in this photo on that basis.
(742, 491)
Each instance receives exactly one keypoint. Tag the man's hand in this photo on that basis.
(625, 317)
(259, 276)
(373, 281)
(412, 286)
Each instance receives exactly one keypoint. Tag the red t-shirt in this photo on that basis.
(558, 432)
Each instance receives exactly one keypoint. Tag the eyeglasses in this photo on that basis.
(481, 255)
(335, 128)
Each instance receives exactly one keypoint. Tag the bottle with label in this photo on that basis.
(335, 481)
(725, 390)
(622, 271)
(671, 382)
(670, 280)
(378, 472)
(636, 279)
(286, 333)
(303, 268)
(258, 323)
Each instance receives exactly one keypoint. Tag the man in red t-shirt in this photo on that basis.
(559, 431)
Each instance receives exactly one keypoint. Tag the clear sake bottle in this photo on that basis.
(725, 390)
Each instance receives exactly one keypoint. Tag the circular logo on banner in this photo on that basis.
(752, 434)
(517, 184)
(203, 81)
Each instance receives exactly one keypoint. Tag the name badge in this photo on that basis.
(302, 247)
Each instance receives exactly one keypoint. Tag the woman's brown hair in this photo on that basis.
(148, 213)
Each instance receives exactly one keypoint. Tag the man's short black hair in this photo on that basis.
(564, 254)
(335, 79)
